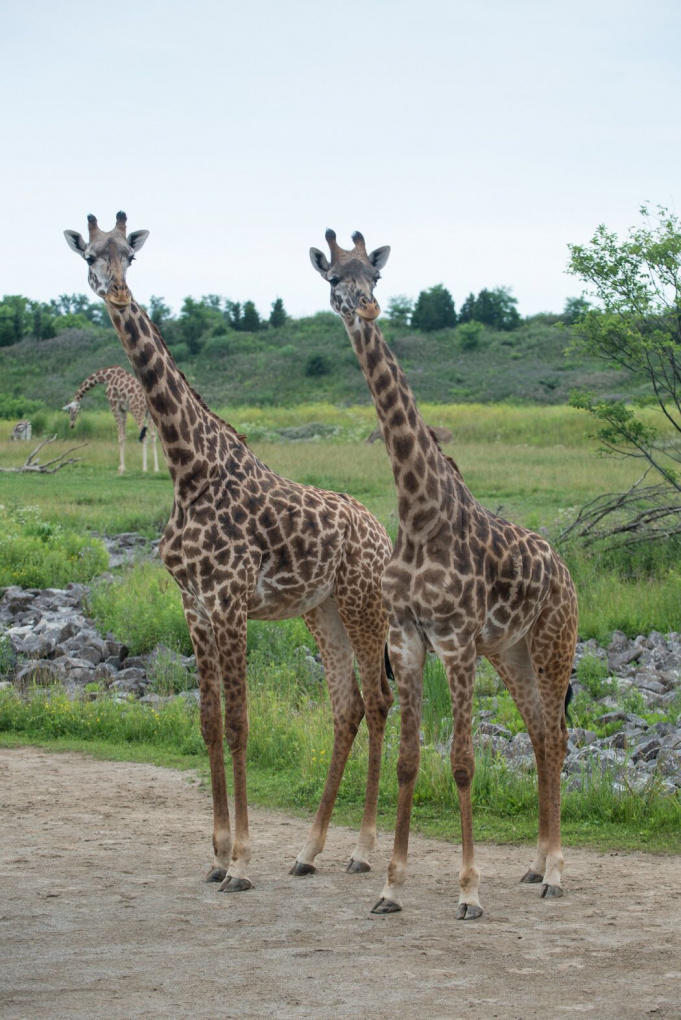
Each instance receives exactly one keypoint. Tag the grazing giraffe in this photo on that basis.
(125, 395)
(22, 430)
(244, 543)
(461, 582)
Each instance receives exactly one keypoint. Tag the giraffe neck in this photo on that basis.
(187, 428)
(96, 379)
(424, 479)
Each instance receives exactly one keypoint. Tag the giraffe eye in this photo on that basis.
(89, 259)
(334, 280)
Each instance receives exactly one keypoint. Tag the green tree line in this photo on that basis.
(213, 316)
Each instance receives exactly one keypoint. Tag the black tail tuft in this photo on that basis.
(388, 667)
(569, 695)
(142, 433)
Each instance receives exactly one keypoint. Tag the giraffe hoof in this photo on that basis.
(357, 867)
(302, 869)
(551, 891)
(216, 875)
(235, 884)
(531, 877)
(468, 912)
(385, 906)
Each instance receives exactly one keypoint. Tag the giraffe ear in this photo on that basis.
(379, 256)
(137, 239)
(75, 242)
(319, 261)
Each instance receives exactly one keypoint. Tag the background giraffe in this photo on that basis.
(461, 582)
(22, 430)
(243, 542)
(125, 395)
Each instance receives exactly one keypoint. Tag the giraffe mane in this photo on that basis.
(450, 460)
(199, 399)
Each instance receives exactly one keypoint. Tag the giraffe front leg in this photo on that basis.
(230, 636)
(407, 655)
(211, 730)
(459, 664)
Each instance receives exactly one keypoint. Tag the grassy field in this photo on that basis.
(531, 464)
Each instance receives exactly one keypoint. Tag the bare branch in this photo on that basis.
(31, 465)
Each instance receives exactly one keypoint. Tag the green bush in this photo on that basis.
(37, 554)
(218, 344)
(17, 407)
(469, 335)
(180, 352)
(594, 674)
(143, 608)
(168, 676)
(317, 364)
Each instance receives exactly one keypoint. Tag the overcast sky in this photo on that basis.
(477, 139)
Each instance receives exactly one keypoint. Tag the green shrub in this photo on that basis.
(316, 365)
(17, 407)
(168, 675)
(180, 352)
(469, 335)
(143, 608)
(594, 674)
(218, 344)
(37, 554)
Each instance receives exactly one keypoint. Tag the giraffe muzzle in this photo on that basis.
(119, 295)
(369, 310)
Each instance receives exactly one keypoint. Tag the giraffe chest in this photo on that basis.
(277, 566)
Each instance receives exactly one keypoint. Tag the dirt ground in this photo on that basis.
(103, 915)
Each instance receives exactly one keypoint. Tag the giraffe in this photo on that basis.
(461, 582)
(441, 434)
(22, 430)
(125, 395)
(244, 543)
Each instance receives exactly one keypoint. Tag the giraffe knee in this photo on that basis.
(236, 735)
(350, 717)
(406, 771)
(463, 772)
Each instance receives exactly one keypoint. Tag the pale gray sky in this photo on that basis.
(476, 138)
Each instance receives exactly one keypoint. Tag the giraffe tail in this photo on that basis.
(388, 667)
(142, 434)
(569, 695)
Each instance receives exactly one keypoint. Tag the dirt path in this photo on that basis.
(102, 915)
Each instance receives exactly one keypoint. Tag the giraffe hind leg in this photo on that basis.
(328, 631)
(516, 669)
(120, 421)
(552, 647)
(368, 631)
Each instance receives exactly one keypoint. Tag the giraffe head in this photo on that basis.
(108, 255)
(352, 275)
(73, 408)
